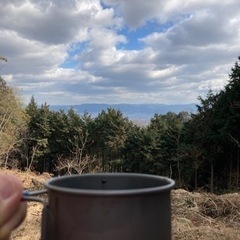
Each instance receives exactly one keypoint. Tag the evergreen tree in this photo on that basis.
(109, 131)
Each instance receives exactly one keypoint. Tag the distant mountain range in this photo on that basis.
(134, 112)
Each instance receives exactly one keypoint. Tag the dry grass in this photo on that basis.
(195, 216)
(205, 216)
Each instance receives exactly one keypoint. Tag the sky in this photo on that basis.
(69, 52)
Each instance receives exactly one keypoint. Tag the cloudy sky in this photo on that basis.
(118, 51)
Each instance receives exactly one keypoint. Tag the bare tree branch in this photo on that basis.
(234, 140)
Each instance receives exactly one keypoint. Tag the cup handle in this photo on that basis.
(32, 196)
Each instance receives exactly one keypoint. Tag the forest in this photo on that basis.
(198, 151)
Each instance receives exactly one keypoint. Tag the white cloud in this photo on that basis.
(28, 56)
(54, 22)
(191, 50)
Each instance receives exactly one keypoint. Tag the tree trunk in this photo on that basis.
(230, 173)
(196, 179)
(212, 177)
(179, 174)
(237, 177)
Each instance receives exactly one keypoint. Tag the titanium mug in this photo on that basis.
(106, 206)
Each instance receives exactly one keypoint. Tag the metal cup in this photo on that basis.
(108, 206)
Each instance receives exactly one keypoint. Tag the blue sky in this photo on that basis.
(116, 51)
(133, 36)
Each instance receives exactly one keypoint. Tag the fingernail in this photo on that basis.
(7, 186)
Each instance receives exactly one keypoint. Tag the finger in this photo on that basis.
(5, 237)
(19, 216)
(5, 231)
(10, 197)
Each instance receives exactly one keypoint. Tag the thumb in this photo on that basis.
(10, 202)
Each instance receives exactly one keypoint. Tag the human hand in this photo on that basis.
(12, 210)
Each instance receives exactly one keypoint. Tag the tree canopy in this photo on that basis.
(198, 150)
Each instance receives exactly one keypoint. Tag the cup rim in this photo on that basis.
(170, 183)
